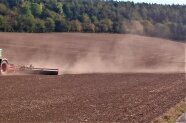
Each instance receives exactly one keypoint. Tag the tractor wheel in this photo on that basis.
(4, 68)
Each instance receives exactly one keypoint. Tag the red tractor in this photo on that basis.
(7, 68)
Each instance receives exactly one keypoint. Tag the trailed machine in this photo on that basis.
(7, 68)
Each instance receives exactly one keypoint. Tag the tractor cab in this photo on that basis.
(1, 53)
(1, 56)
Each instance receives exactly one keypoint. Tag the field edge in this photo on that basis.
(172, 114)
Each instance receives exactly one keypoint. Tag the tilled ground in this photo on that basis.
(94, 53)
(126, 98)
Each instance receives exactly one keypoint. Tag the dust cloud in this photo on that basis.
(125, 57)
(77, 53)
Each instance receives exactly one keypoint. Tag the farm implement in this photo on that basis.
(6, 68)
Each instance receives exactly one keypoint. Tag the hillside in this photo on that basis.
(103, 77)
(94, 53)
(166, 21)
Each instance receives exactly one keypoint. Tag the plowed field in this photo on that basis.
(104, 78)
(126, 98)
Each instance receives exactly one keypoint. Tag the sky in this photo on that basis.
(180, 2)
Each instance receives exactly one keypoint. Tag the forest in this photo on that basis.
(95, 16)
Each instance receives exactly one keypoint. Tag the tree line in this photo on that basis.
(166, 21)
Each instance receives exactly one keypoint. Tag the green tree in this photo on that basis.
(88, 27)
(76, 26)
(26, 11)
(2, 23)
(162, 30)
(85, 18)
(13, 3)
(94, 19)
(148, 27)
(133, 27)
(37, 9)
(93, 16)
(101, 27)
(50, 14)
(59, 7)
(3, 9)
(39, 26)
(62, 26)
(49, 25)
(108, 22)
(26, 24)
(117, 28)
(178, 32)
(67, 11)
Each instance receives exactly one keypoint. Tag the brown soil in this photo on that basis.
(107, 93)
(125, 98)
(94, 53)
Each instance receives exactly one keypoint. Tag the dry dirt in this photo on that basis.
(94, 53)
(125, 98)
(109, 78)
